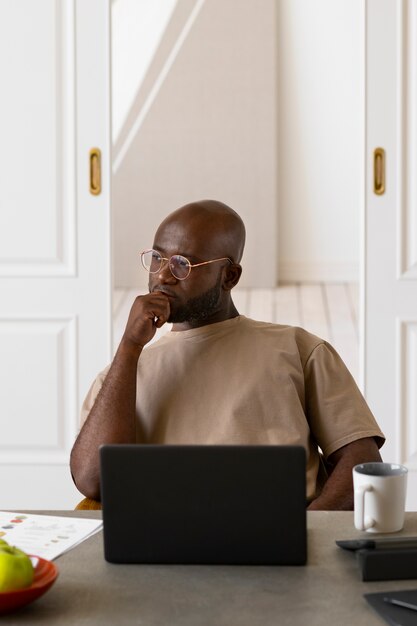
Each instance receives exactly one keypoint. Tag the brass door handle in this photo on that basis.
(379, 171)
(95, 171)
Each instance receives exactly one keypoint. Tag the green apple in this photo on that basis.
(16, 569)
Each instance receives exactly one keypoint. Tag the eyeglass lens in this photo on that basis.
(152, 261)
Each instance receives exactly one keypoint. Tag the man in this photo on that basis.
(218, 377)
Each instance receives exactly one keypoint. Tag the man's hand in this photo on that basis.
(146, 315)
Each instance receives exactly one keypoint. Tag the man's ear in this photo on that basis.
(232, 276)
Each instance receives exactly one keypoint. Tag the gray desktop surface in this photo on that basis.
(328, 590)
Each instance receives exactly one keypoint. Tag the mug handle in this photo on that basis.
(362, 523)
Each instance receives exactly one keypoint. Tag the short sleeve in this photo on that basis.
(336, 410)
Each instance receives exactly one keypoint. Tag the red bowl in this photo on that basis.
(45, 575)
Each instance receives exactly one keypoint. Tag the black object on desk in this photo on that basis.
(379, 543)
(384, 558)
(387, 564)
(204, 504)
(385, 604)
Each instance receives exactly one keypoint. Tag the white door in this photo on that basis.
(55, 284)
(390, 372)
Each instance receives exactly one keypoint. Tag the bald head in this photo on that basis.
(211, 225)
(211, 237)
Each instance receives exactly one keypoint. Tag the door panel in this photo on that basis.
(55, 280)
(391, 230)
(37, 125)
(48, 350)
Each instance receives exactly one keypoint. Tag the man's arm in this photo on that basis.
(112, 417)
(337, 492)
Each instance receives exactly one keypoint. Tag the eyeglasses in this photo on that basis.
(180, 267)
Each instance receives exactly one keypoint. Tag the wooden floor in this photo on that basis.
(327, 310)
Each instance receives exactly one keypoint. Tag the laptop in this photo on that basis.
(213, 504)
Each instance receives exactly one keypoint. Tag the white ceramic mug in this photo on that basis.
(379, 496)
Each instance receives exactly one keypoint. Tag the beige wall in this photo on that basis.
(203, 125)
(258, 103)
(321, 144)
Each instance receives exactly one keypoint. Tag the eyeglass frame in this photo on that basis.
(190, 265)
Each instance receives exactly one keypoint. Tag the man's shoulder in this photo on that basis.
(298, 333)
(285, 336)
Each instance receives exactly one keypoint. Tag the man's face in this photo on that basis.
(197, 309)
(199, 297)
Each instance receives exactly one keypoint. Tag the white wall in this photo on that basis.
(256, 104)
(320, 143)
(202, 125)
(138, 26)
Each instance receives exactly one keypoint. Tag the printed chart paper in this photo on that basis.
(46, 536)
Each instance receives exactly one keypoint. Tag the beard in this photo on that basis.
(200, 308)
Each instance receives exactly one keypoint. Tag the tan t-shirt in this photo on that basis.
(247, 382)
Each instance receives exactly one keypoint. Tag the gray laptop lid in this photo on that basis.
(204, 504)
